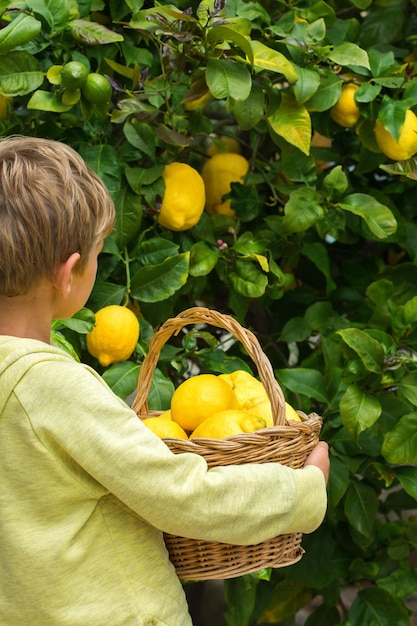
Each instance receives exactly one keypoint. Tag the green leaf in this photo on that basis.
(407, 388)
(338, 480)
(265, 58)
(358, 410)
(225, 33)
(203, 259)
(400, 444)
(377, 607)
(302, 211)
(292, 122)
(157, 282)
(141, 136)
(20, 74)
(122, 378)
(308, 382)
(247, 279)
(103, 160)
(327, 94)
(408, 479)
(335, 183)
(156, 250)
(249, 112)
(307, 84)
(296, 329)
(59, 340)
(228, 79)
(368, 349)
(317, 253)
(240, 594)
(378, 217)
(129, 216)
(360, 507)
(92, 33)
(160, 393)
(47, 101)
(349, 54)
(20, 31)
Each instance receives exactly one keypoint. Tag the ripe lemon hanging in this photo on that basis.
(114, 335)
(406, 145)
(164, 428)
(346, 112)
(184, 197)
(227, 424)
(198, 397)
(218, 173)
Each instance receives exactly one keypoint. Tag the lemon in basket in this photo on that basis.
(227, 424)
(250, 394)
(164, 428)
(198, 397)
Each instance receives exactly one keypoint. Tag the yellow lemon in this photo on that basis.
(406, 146)
(250, 394)
(166, 415)
(346, 112)
(198, 397)
(227, 424)
(291, 414)
(114, 335)
(184, 197)
(218, 173)
(224, 143)
(164, 428)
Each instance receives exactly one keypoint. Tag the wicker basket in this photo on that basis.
(288, 443)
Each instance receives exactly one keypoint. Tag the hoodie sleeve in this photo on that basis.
(105, 446)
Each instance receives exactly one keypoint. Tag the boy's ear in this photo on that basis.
(63, 275)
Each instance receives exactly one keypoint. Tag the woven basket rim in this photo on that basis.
(203, 315)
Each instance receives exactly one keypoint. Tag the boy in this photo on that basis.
(86, 490)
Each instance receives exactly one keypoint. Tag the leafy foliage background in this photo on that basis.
(319, 261)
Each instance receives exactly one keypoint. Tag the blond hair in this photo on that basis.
(52, 204)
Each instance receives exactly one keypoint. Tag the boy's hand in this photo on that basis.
(319, 457)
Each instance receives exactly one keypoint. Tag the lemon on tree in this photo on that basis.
(228, 424)
(165, 428)
(224, 143)
(73, 75)
(346, 112)
(198, 397)
(405, 146)
(96, 89)
(184, 197)
(219, 172)
(114, 336)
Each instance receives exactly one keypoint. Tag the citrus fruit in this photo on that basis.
(250, 394)
(114, 335)
(227, 424)
(346, 112)
(224, 143)
(164, 428)
(218, 173)
(166, 415)
(198, 397)
(291, 414)
(184, 197)
(96, 89)
(406, 145)
(73, 75)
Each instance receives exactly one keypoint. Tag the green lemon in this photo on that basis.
(96, 89)
(73, 75)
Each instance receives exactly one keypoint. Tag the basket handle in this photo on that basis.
(202, 315)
